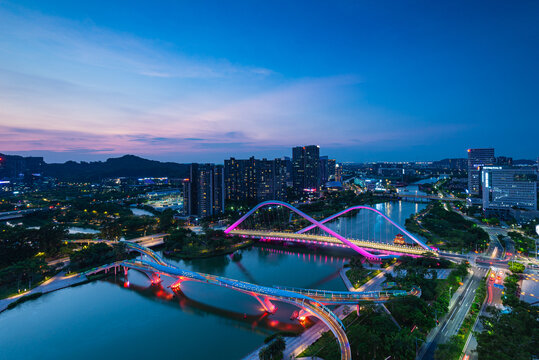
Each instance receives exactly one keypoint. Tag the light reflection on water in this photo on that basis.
(113, 318)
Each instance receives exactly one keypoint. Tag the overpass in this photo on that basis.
(312, 302)
(147, 241)
(14, 214)
(332, 237)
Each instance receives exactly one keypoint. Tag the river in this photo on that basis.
(112, 319)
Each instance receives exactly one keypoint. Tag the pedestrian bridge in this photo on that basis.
(267, 226)
(326, 240)
(311, 302)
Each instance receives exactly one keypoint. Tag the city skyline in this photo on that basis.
(178, 82)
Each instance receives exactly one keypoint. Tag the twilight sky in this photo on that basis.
(204, 80)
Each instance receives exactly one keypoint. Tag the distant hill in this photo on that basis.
(125, 166)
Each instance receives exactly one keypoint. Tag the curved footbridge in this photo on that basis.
(311, 302)
(333, 238)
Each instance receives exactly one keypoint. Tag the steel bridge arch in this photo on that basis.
(320, 224)
(311, 220)
(358, 207)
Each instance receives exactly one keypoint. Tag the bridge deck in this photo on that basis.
(311, 301)
(329, 240)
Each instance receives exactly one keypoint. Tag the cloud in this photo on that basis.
(79, 89)
(89, 45)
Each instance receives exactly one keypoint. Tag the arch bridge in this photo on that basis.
(370, 248)
(311, 302)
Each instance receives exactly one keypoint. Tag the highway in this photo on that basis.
(494, 298)
(451, 323)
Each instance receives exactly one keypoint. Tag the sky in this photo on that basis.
(200, 81)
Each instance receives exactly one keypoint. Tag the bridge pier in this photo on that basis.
(267, 305)
(177, 284)
(302, 315)
(155, 278)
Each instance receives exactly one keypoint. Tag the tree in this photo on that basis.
(16, 244)
(512, 336)
(166, 220)
(50, 238)
(449, 350)
(516, 267)
(178, 239)
(274, 351)
(355, 263)
(111, 231)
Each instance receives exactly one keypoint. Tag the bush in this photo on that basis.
(516, 267)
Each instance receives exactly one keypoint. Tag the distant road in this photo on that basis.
(15, 214)
(451, 323)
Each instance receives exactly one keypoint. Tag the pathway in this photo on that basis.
(57, 282)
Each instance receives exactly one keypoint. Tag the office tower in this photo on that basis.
(477, 158)
(240, 179)
(305, 168)
(507, 187)
(204, 191)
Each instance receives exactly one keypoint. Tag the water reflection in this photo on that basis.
(259, 323)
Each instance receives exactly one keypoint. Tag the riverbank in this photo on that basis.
(57, 282)
(447, 230)
(358, 277)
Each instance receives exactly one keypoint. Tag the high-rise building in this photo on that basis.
(326, 169)
(281, 177)
(12, 166)
(240, 179)
(218, 192)
(338, 172)
(256, 179)
(331, 168)
(203, 192)
(265, 178)
(305, 168)
(506, 187)
(477, 158)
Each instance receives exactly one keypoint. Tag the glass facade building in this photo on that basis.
(477, 158)
(504, 188)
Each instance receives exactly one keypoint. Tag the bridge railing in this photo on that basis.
(348, 294)
(329, 239)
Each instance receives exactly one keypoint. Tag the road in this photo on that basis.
(451, 323)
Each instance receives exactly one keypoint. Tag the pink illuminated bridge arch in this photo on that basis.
(312, 221)
(358, 207)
